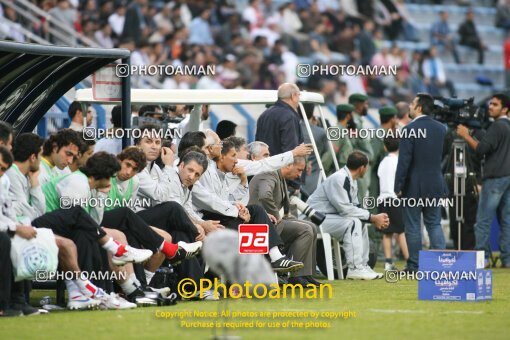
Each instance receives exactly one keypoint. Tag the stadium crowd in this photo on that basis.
(257, 44)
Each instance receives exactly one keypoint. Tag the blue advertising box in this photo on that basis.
(473, 285)
(451, 260)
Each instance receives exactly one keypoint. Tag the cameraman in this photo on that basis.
(495, 194)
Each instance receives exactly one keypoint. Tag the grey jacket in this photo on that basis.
(338, 194)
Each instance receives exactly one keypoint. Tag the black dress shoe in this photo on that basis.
(300, 281)
(312, 281)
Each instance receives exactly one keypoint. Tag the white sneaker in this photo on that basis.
(114, 301)
(186, 251)
(361, 273)
(80, 302)
(132, 255)
(389, 267)
(379, 275)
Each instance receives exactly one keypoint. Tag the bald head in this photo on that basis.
(403, 112)
(289, 93)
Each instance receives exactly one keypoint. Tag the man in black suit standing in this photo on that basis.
(419, 177)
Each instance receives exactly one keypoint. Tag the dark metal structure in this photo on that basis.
(33, 77)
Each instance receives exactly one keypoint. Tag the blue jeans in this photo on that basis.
(412, 223)
(495, 197)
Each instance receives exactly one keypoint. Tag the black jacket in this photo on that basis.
(279, 128)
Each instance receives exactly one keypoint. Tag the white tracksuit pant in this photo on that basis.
(355, 238)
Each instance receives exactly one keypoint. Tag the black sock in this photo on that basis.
(390, 261)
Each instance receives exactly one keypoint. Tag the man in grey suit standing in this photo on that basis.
(270, 190)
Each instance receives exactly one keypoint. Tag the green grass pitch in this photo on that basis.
(383, 311)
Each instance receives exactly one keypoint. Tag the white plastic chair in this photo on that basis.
(327, 239)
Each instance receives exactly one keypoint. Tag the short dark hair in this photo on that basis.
(225, 129)
(117, 116)
(426, 102)
(26, 145)
(356, 160)
(227, 146)
(85, 144)
(73, 109)
(101, 165)
(146, 109)
(6, 155)
(237, 141)
(5, 132)
(197, 156)
(62, 138)
(136, 155)
(144, 131)
(505, 99)
(391, 144)
(309, 107)
(191, 138)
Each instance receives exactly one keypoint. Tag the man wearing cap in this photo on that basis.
(388, 118)
(360, 103)
(343, 146)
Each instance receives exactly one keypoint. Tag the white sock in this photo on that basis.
(86, 287)
(275, 254)
(135, 280)
(148, 275)
(128, 286)
(111, 246)
(72, 289)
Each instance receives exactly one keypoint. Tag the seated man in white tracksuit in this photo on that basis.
(337, 198)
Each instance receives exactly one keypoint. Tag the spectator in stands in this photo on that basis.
(117, 19)
(135, 25)
(253, 15)
(200, 30)
(434, 74)
(66, 15)
(365, 43)
(469, 35)
(103, 35)
(503, 14)
(442, 36)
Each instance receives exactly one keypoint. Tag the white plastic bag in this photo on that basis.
(31, 256)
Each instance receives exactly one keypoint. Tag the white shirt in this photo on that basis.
(386, 173)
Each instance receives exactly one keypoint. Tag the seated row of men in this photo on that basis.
(203, 189)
